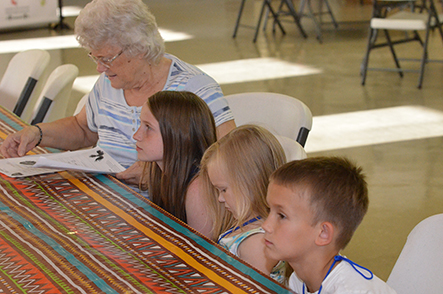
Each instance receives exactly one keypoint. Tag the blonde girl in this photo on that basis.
(234, 176)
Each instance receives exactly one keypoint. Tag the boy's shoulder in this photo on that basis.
(344, 279)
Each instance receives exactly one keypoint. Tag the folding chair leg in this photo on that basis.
(301, 8)
(276, 20)
(237, 24)
(417, 37)
(438, 24)
(423, 60)
(259, 21)
(364, 66)
(265, 24)
(439, 28)
(279, 11)
(330, 13)
(312, 15)
(391, 47)
(295, 16)
(314, 19)
(267, 3)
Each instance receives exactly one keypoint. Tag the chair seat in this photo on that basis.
(402, 21)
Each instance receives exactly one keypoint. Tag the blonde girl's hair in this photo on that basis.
(187, 128)
(247, 155)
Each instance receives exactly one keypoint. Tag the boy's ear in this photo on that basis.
(326, 234)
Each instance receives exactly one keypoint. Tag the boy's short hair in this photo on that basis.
(336, 188)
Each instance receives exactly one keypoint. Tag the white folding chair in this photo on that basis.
(293, 149)
(281, 114)
(419, 268)
(19, 81)
(54, 98)
(401, 20)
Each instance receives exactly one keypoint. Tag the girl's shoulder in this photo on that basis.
(233, 241)
(252, 250)
(252, 239)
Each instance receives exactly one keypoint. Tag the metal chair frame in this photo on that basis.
(381, 10)
(315, 16)
(264, 13)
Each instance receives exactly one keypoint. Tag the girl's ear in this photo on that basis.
(326, 234)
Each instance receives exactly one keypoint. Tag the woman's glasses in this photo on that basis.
(106, 62)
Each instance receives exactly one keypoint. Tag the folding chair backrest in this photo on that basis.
(281, 114)
(54, 98)
(419, 268)
(20, 78)
(293, 149)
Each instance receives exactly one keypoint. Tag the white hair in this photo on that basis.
(124, 23)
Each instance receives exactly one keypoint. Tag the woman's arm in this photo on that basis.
(69, 133)
(225, 128)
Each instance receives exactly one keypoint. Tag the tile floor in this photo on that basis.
(402, 157)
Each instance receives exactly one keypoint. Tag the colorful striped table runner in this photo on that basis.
(72, 232)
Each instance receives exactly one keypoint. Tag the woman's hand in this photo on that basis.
(18, 144)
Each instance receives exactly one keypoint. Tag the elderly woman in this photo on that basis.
(123, 39)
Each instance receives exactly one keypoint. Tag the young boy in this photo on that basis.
(315, 206)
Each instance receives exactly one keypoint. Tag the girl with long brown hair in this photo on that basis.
(176, 128)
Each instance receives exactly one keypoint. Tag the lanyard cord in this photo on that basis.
(353, 264)
(238, 227)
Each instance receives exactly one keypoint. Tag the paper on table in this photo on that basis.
(23, 166)
(93, 160)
